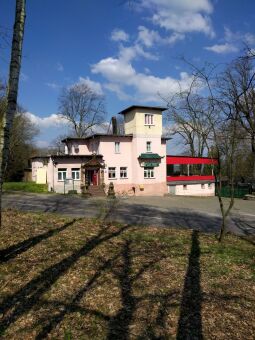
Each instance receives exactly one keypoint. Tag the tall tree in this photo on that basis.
(21, 146)
(186, 113)
(82, 107)
(237, 86)
(12, 89)
(206, 115)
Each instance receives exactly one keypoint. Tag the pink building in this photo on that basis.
(134, 162)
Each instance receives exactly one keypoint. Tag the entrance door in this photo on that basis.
(92, 176)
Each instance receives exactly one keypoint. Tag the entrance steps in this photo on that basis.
(96, 191)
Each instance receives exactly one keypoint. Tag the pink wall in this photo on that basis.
(130, 150)
(112, 159)
(52, 174)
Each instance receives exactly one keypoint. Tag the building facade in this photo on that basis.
(136, 162)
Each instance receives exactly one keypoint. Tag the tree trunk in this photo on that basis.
(222, 229)
(253, 155)
(12, 91)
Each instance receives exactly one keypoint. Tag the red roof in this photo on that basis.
(190, 160)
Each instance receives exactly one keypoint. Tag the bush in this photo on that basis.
(25, 186)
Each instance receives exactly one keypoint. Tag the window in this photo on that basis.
(148, 146)
(117, 147)
(148, 119)
(111, 172)
(185, 187)
(209, 185)
(148, 172)
(76, 174)
(202, 186)
(61, 174)
(76, 148)
(123, 172)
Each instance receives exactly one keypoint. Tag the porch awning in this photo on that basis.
(93, 163)
(149, 156)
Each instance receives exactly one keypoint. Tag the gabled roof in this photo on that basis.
(159, 108)
(94, 136)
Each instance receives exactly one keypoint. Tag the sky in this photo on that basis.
(129, 51)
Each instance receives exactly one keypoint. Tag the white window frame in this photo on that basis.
(123, 171)
(148, 146)
(112, 171)
(148, 173)
(148, 119)
(76, 173)
(117, 147)
(62, 171)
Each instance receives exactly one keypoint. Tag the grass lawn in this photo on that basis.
(25, 186)
(82, 279)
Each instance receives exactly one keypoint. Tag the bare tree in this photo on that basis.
(237, 85)
(82, 107)
(12, 89)
(186, 113)
(57, 146)
(202, 117)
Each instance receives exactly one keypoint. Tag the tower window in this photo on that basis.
(148, 146)
(148, 119)
(117, 147)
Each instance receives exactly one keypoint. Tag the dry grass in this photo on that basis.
(81, 279)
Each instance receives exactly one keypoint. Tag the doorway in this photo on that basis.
(92, 176)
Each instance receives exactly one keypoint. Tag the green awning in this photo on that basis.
(149, 156)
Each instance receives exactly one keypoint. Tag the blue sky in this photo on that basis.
(130, 52)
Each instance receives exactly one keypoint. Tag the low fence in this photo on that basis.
(239, 192)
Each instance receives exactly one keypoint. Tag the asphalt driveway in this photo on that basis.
(173, 211)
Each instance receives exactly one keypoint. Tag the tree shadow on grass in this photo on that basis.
(17, 304)
(247, 230)
(190, 321)
(18, 248)
(117, 326)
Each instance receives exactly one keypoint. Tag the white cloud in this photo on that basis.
(42, 144)
(249, 38)
(222, 48)
(175, 37)
(181, 16)
(119, 35)
(151, 37)
(60, 67)
(135, 51)
(95, 86)
(54, 120)
(122, 76)
(53, 86)
(148, 37)
(232, 42)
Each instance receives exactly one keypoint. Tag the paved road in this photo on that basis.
(184, 212)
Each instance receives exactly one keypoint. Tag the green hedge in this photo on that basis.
(25, 186)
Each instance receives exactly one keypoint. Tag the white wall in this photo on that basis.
(37, 163)
(193, 190)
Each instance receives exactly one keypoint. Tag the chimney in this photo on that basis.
(114, 126)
